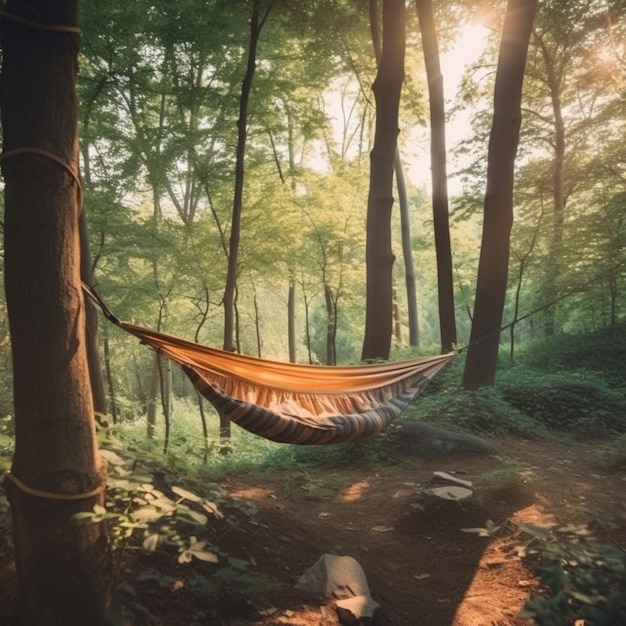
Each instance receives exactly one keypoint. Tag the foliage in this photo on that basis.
(583, 579)
(566, 385)
(482, 412)
(149, 510)
(189, 451)
(575, 402)
(612, 457)
(7, 441)
(599, 352)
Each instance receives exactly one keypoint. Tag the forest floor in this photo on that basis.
(421, 568)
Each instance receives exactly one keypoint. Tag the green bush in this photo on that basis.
(582, 578)
(573, 402)
(612, 457)
(600, 353)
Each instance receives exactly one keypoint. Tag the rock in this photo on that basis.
(423, 440)
(356, 610)
(341, 578)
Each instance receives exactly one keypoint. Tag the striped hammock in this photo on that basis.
(292, 403)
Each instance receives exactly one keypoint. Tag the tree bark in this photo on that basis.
(379, 255)
(480, 366)
(153, 390)
(91, 330)
(62, 568)
(291, 320)
(407, 253)
(256, 24)
(439, 175)
(554, 84)
(405, 222)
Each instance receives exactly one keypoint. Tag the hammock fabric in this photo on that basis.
(292, 403)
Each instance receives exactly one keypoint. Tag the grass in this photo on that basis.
(244, 452)
(559, 389)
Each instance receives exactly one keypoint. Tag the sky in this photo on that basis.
(464, 53)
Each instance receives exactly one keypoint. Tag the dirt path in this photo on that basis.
(420, 566)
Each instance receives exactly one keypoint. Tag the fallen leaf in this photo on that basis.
(269, 611)
(382, 529)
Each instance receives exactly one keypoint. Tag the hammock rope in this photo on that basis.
(293, 403)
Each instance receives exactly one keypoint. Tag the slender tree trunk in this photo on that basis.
(523, 260)
(439, 175)
(165, 385)
(256, 24)
(257, 321)
(331, 326)
(109, 377)
(91, 328)
(91, 314)
(480, 366)
(63, 569)
(397, 322)
(379, 255)
(558, 182)
(407, 253)
(307, 324)
(153, 390)
(291, 320)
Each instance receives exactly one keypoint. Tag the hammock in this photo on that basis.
(293, 403)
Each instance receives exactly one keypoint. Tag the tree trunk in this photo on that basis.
(291, 320)
(91, 314)
(109, 377)
(554, 81)
(480, 366)
(405, 222)
(63, 569)
(407, 253)
(153, 390)
(439, 175)
(379, 255)
(331, 326)
(91, 329)
(256, 24)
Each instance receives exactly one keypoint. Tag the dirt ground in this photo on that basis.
(420, 566)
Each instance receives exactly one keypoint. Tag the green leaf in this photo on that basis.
(196, 549)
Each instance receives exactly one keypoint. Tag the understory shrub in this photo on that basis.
(582, 579)
(573, 402)
(600, 353)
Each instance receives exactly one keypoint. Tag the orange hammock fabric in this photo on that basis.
(293, 403)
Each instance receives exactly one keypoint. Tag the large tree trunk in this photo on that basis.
(379, 255)
(439, 175)
(480, 366)
(62, 568)
(405, 221)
